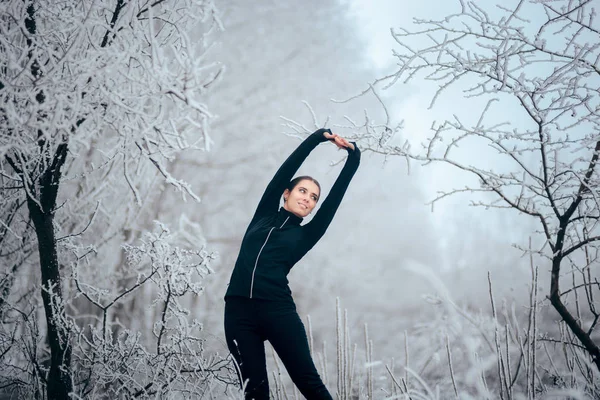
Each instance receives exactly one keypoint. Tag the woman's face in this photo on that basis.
(301, 199)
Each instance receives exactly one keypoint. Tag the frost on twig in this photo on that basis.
(369, 135)
(168, 359)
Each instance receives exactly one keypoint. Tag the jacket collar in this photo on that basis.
(292, 218)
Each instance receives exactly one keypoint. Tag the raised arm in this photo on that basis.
(316, 228)
(269, 201)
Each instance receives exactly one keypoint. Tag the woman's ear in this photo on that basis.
(286, 194)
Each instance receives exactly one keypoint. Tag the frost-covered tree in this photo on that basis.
(529, 71)
(96, 99)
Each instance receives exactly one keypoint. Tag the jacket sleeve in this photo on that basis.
(269, 201)
(316, 228)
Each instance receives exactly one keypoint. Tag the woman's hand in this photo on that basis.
(338, 140)
(344, 143)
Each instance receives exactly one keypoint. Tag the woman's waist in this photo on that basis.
(260, 303)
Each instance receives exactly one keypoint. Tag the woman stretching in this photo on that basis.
(258, 302)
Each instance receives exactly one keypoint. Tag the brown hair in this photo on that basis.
(294, 182)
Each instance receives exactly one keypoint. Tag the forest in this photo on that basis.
(136, 138)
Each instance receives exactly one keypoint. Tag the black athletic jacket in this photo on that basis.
(275, 240)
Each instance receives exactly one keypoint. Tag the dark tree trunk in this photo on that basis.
(59, 383)
(41, 212)
(572, 323)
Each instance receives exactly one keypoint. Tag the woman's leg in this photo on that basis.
(286, 333)
(246, 344)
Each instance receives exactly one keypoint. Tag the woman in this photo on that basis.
(258, 302)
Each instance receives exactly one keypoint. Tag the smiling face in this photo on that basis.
(302, 198)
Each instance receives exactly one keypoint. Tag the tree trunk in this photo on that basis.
(41, 204)
(571, 322)
(59, 383)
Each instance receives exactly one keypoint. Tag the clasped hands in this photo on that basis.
(338, 140)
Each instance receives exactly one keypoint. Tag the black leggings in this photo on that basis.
(248, 323)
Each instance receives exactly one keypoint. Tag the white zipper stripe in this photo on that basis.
(284, 222)
(260, 251)
(256, 262)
